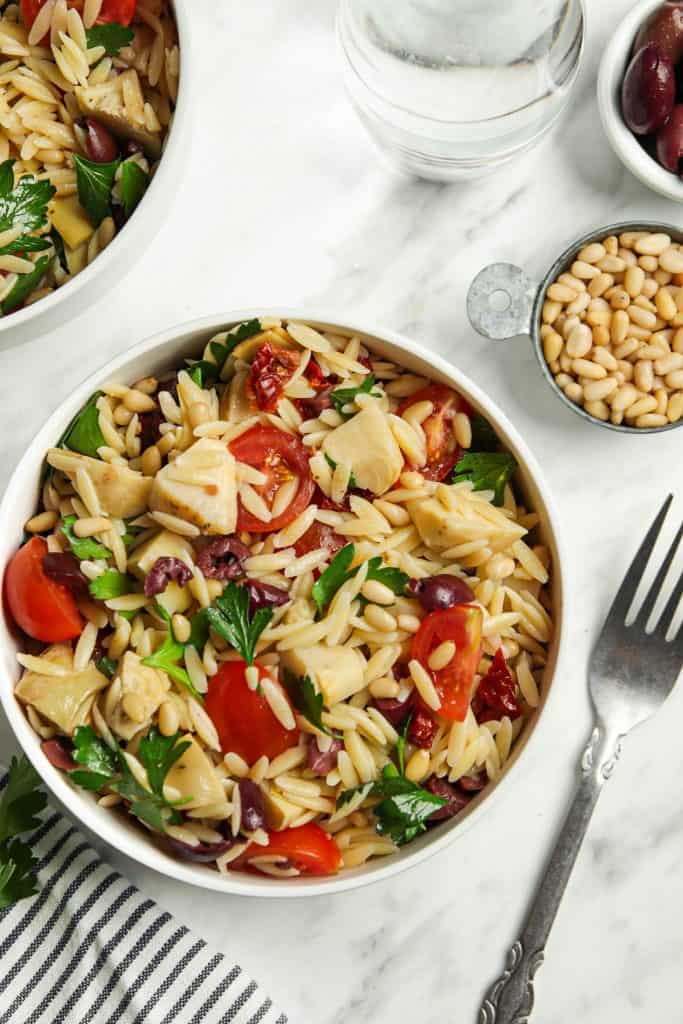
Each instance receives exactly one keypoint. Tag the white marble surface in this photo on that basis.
(285, 202)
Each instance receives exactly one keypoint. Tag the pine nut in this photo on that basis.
(168, 719)
(462, 429)
(150, 462)
(572, 282)
(551, 311)
(573, 391)
(674, 410)
(616, 417)
(137, 401)
(611, 245)
(643, 375)
(441, 656)
(379, 619)
(604, 358)
(377, 593)
(648, 263)
(583, 270)
(628, 256)
(629, 238)
(592, 253)
(418, 766)
(634, 279)
(618, 298)
(650, 288)
(122, 416)
(626, 369)
(599, 317)
(42, 522)
(580, 341)
(648, 403)
(90, 525)
(601, 335)
(624, 397)
(561, 293)
(579, 304)
(598, 389)
(181, 628)
(408, 623)
(384, 687)
(666, 307)
(674, 380)
(651, 419)
(671, 260)
(642, 317)
(652, 245)
(619, 327)
(672, 361)
(586, 368)
(597, 409)
(661, 277)
(599, 285)
(661, 394)
(552, 346)
(677, 342)
(612, 265)
(563, 379)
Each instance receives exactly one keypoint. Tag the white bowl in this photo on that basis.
(623, 141)
(114, 262)
(154, 356)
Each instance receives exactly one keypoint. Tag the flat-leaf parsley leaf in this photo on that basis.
(488, 471)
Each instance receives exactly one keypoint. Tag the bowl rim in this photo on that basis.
(146, 209)
(140, 848)
(623, 141)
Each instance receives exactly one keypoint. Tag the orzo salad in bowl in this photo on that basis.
(87, 95)
(287, 605)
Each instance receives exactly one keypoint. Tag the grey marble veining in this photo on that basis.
(284, 201)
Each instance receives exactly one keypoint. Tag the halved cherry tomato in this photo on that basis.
(461, 624)
(443, 450)
(44, 609)
(281, 457)
(121, 11)
(317, 536)
(243, 719)
(306, 847)
(270, 371)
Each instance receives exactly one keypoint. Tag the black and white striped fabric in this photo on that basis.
(90, 947)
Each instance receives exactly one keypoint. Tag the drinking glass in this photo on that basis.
(450, 89)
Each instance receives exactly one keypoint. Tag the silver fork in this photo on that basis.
(630, 675)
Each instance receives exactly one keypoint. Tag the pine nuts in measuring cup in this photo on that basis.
(640, 301)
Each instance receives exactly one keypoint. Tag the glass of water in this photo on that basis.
(450, 89)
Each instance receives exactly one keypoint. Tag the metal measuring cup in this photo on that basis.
(522, 307)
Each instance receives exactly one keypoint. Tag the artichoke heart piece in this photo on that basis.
(440, 528)
(118, 104)
(65, 700)
(337, 670)
(199, 487)
(121, 491)
(192, 777)
(367, 445)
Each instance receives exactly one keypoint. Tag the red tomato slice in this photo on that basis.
(307, 847)
(462, 625)
(44, 609)
(270, 371)
(121, 11)
(443, 450)
(280, 456)
(243, 719)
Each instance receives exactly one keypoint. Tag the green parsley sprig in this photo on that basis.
(338, 572)
(20, 804)
(111, 583)
(404, 807)
(230, 616)
(346, 396)
(112, 36)
(305, 699)
(488, 471)
(105, 765)
(95, 182)
(168, 656)
(204, 372)
(83, 435)
(84, 548)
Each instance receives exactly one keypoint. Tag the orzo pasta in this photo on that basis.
(87, 93)
(289, 609)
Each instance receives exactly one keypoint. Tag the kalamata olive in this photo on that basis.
(321, 762)
(162, 572)
(131, 147)
(440, 591)
(202, 853)
(58, 752)
(395, 711)
(648, 92)
(472, 783)
(149, 428)
(253, 810)
(263, 595)
(455, 798)
(670, 142)
(99, 142)
(118, 215)
(223, 558)
(664, 28)
(63, 567)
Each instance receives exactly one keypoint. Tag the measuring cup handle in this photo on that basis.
(510, 317)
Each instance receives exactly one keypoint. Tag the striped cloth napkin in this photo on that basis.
(90, 947)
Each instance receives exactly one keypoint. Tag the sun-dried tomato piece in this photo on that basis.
(496, 694)
(270, 371)
(422, 729)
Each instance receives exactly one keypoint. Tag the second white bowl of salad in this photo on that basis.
(283, 602)
(94, 106)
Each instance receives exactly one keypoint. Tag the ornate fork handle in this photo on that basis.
(510, 1000)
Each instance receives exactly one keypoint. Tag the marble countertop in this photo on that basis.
(285, 202)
